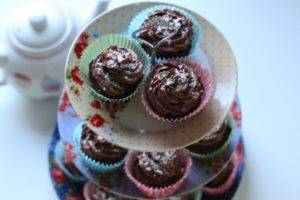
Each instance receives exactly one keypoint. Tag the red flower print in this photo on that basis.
(75, 75)
(97, 120)
(65, 102)
(237, 115)
(69, 150)
(79, 47)
(58, 175)
(81, 44)
(96, 104)
(68, 147)
(22, 77)
(84, 37)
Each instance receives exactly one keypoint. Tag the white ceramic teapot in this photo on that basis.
(36, 46)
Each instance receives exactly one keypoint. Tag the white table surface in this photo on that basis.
(265, 36)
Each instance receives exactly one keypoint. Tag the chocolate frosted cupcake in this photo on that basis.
(224, 179)
(116, 72)
(100, 149)
(158, 169)
(176, 90)
(158, 174)
(212, 145)
(181, 31)
(96, 152)
(163, 23)
(112, 68)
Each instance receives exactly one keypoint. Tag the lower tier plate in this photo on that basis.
(118, 183)
(67, 189)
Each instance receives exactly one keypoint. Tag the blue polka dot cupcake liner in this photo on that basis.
(138, 20)
(91, 163)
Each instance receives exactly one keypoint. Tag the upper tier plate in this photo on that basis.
(132, 127)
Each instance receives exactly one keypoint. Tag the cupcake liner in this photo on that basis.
(219, 152)
(89, 162)
(137, 21)
(58, 156)
(100, 45)
(87, 190)
(206, 80)
(227, 185)
(153, 192)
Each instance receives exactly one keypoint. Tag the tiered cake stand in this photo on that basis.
(131, 127)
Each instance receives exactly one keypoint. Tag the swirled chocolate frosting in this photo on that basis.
(162, 23)
(116, 72)
(158, 169)
(100, 149)
(174, 89)
(212, 141)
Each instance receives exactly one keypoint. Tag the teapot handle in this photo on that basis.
(3, 63)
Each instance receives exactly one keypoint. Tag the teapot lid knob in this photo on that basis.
(41, 29)
(38, 21)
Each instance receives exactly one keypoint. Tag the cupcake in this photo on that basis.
(158, 174)
(222, 177)
(116, 72)
(224, 180)
(212, 145)
(158, 169)
(176, 90)
(93, 192)
(163, 23)
(173, 30)
(97, 153)
(112, 68)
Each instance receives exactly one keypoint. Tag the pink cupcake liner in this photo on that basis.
(157, 192)
(206, 80)
(228, 184)
(87, 189)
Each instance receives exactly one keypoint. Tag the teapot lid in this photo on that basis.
(40, 29)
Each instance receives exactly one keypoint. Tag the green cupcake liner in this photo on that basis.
(219, 152)
(102, 44)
